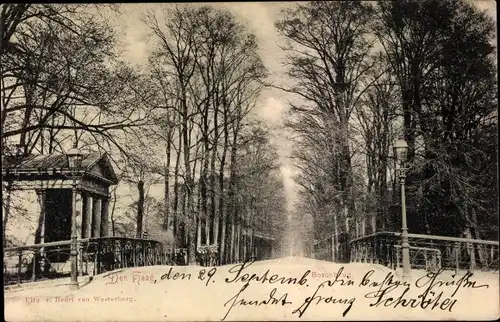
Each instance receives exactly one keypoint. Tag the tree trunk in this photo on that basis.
(190, 213)
(176, 194)
(140, 208)
(476, 235)
(199, 215)
(113, 228)
(233, 177)
(6, 212)
(167, 221)
(232, 249)
(335, 238)
(213, 190)
(199, 223)
(214, 204)
(222, 208)
(204, 177)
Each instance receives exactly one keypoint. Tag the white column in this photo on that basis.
(96, 214)
(105, 220)
(87, 217)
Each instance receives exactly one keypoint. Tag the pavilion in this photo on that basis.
(44, 184)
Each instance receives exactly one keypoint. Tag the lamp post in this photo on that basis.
(400, 152)
(74, 163)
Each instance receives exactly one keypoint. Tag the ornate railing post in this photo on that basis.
(33, 273)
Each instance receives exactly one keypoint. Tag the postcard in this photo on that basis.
(253, 161)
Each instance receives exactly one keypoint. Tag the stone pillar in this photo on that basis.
(96, 216)
(87, 215)
(105, 220)
(79, 214)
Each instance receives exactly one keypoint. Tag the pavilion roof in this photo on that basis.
(58, 162)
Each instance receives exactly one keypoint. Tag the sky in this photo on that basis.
(259, 18)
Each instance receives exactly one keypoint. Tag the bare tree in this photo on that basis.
(222, 83)
(328, 54)
(376, 116)
(55, 62)
(442, 59)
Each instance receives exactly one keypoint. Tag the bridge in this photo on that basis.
(152, 293)
(429, 252)
(102, 254)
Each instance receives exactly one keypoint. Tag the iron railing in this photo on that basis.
(427, 251)
(95, 255)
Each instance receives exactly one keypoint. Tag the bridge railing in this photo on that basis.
(429, 252)
(95, 255)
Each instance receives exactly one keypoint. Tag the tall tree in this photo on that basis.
(441, 55)
(210, 86)
(327, 51)
(55, 61)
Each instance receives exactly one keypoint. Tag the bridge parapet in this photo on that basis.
(428, 252)
(95, 256)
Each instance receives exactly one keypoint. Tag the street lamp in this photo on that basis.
(400, 152)
(74, 163)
